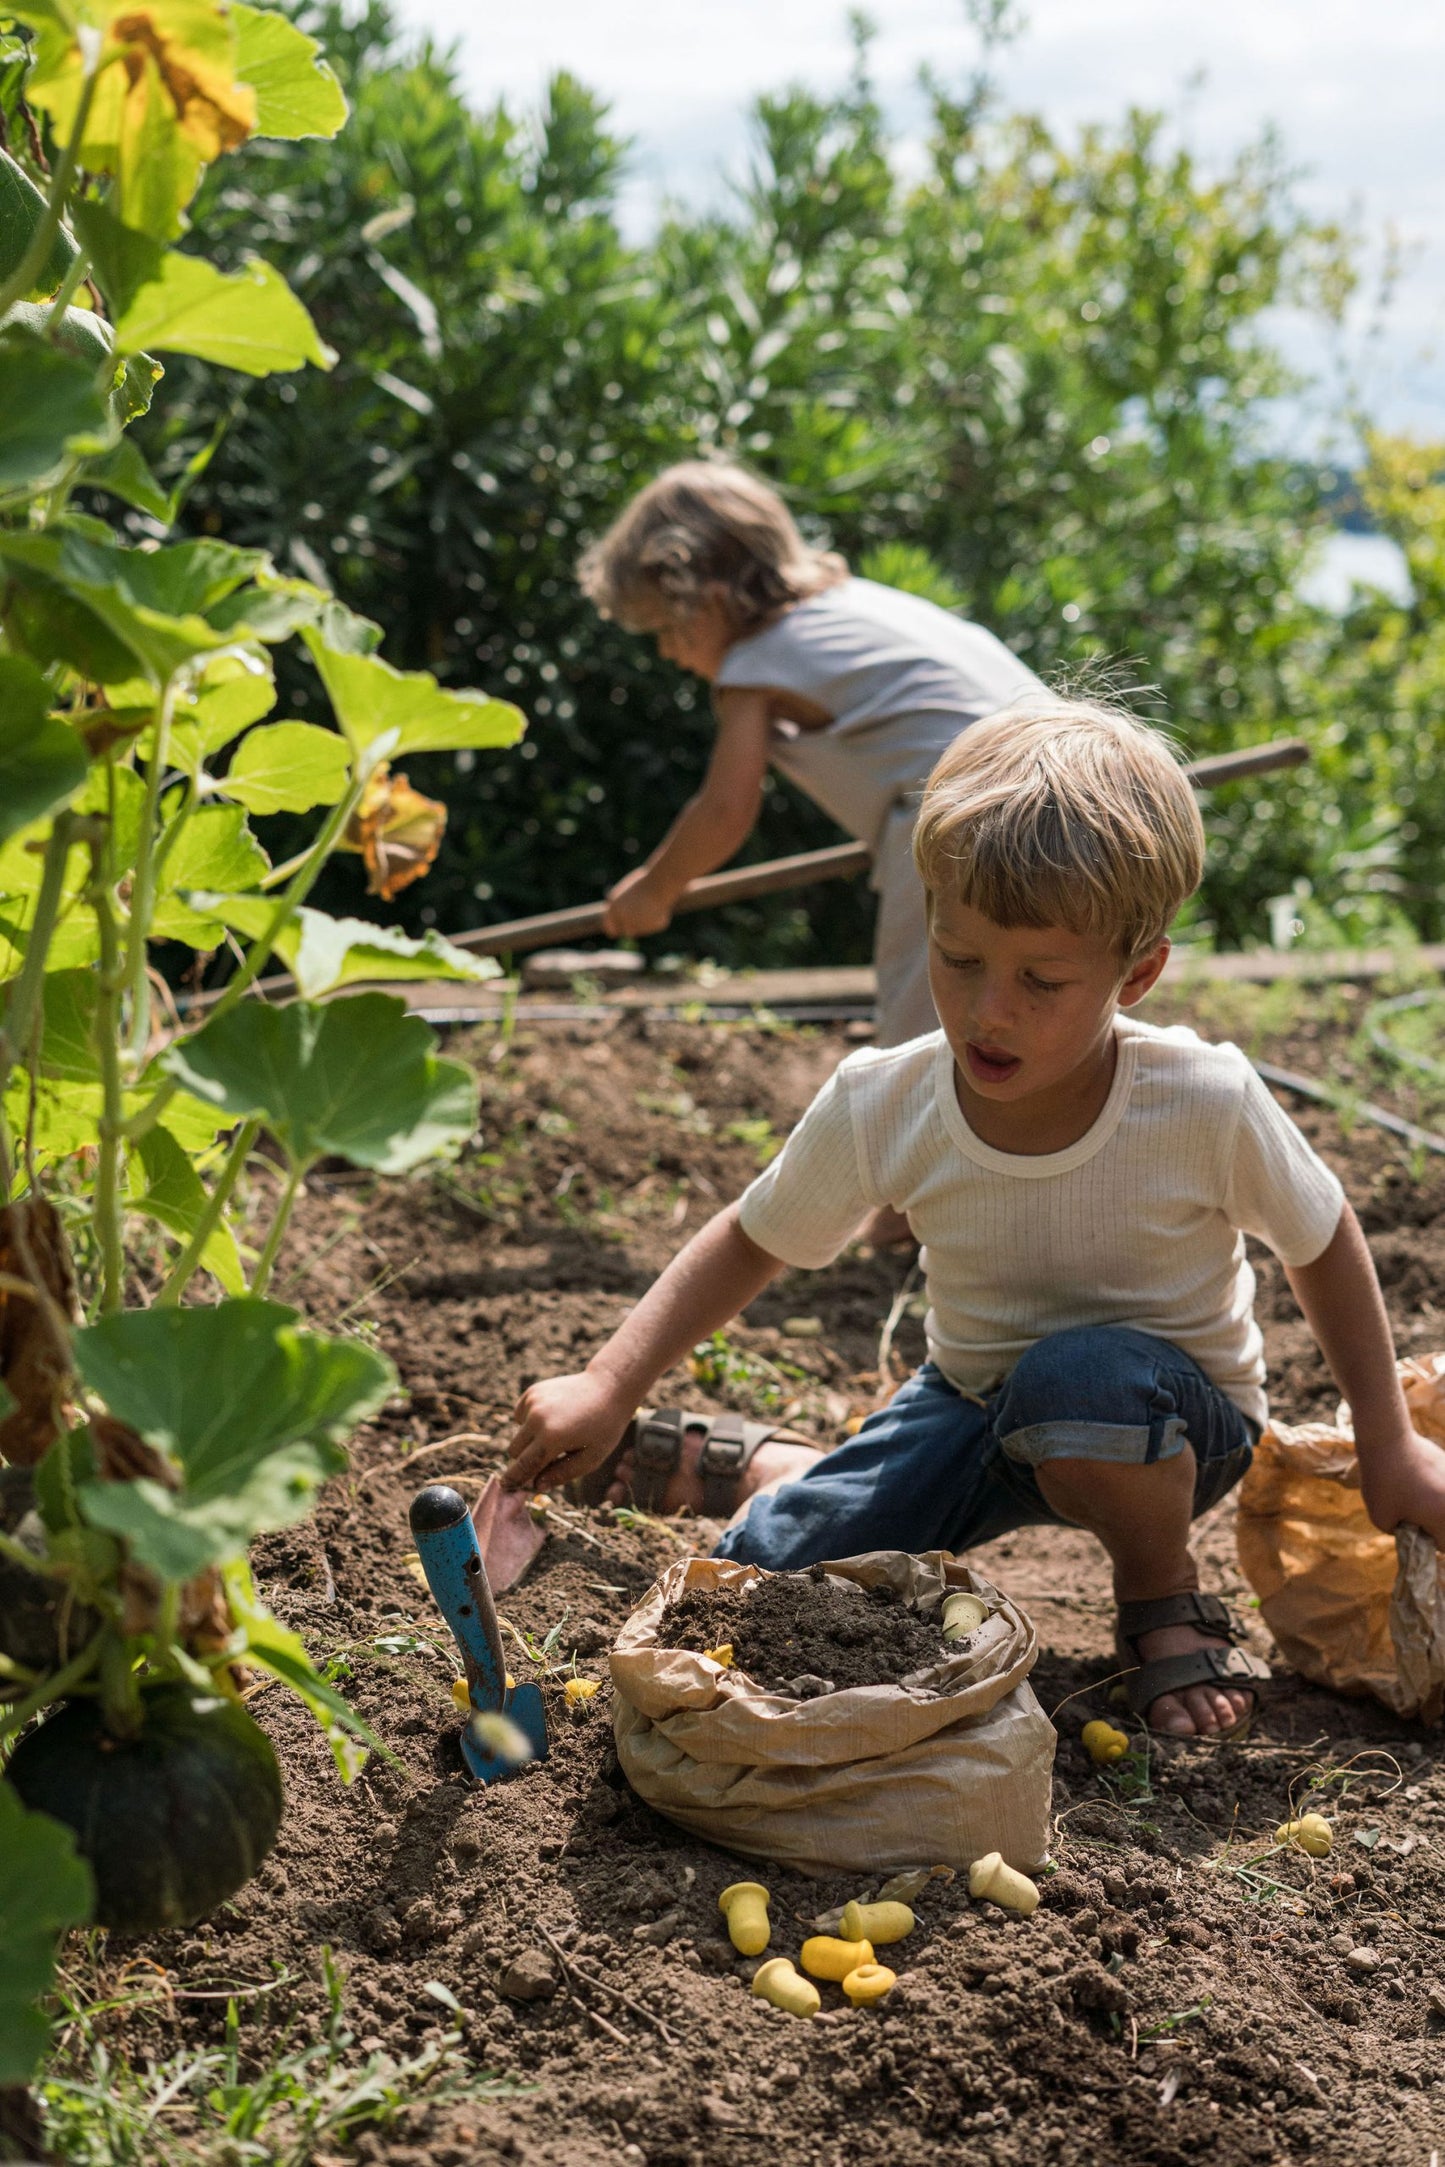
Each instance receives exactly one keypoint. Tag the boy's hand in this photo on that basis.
(636, 906)
(1406, 1483)
(566, 1426)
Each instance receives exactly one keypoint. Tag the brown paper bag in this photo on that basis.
(1351, 1608)
(954, 1764)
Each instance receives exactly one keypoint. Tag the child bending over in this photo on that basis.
(850, 689)
(1082, 1183)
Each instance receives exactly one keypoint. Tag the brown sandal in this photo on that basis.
(1233, 1667)
(655, 1438)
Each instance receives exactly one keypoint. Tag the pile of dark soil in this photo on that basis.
(1183, 1994)
(801, 1634)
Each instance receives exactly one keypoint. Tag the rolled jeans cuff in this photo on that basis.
(1125, 1443)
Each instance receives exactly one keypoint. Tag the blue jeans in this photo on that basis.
(938, 1470)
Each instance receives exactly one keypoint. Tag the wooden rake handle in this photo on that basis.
(553, 928)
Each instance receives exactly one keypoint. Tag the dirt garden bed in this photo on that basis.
(1168, 2002)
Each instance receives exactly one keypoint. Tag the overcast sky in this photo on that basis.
(1356, 89)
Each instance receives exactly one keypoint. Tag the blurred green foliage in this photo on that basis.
(1034, 383)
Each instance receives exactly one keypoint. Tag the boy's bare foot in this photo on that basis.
(782, 1458)
(1200, 1711)
(886, 1228)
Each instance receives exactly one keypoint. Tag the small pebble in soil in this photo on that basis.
(531, 1976)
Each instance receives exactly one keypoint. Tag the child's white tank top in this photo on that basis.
(900, 677)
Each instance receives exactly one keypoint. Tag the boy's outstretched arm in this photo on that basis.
(1402, 1475)
(566, 1426)
(711, 827)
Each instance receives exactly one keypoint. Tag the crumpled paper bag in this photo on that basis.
(1351, 1608)
(955, 1763)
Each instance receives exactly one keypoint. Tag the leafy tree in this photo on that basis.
(1043, 369)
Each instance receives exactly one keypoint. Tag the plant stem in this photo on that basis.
(259, 955)
(119, 1686)
(278, 1228)
(20, 1009)
(55, 1687)
(180, 1273)
(106, 1041)
(24, 275)
(143, 883)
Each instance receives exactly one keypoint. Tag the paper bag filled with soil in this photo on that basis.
(1351, 1608)
(953, 1761)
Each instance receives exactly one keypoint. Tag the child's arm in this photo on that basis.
(711, 827)
(566, 1426)
(1402, 1475)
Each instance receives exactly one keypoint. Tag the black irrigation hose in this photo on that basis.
(1286, 1079)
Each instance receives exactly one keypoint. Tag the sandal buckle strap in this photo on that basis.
(657, 1444)
(725, 1451)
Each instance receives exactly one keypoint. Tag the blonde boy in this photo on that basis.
(1082, 1183)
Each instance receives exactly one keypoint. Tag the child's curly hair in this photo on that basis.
(1068, 812)
(704, 524)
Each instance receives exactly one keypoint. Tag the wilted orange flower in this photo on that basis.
(215, 111)
(397, 831)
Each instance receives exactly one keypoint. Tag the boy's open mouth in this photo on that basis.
(990, 1064)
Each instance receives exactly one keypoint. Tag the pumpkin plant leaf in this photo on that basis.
(42, 762)
(324, 952)
(171, 1192)
(49, 407)
(124, 258)
(373, 700)
(296, 92)
(248, 320)
(124, 472)
(215, 849)
(249, 1409)
(288, 767)
(22, 206)
(357, 1078)
(45, 1888)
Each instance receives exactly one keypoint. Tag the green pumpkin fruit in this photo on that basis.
(22, 207)
(174, 1820)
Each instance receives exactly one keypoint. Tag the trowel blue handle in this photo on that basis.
(446, 1543)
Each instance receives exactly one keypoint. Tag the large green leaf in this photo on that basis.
(101, 610)
(123, 258)
(248, 320)
(357, 1078)
(49, 408)
(324, 953)
(171, 1192)
(124, 472)
(296, 92)
(44, 1889)
(372, 699)
(22, 207)
(250, 1409)
(287, 768)
(215, 849)
(42, 762)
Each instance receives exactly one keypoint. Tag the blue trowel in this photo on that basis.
(446, 1542)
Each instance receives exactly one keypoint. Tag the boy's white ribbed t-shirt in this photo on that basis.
(1141, 1222)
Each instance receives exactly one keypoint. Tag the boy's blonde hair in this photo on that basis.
(1069, 813)
(700, 524)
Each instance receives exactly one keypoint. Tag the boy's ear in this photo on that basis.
(1143, 974)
